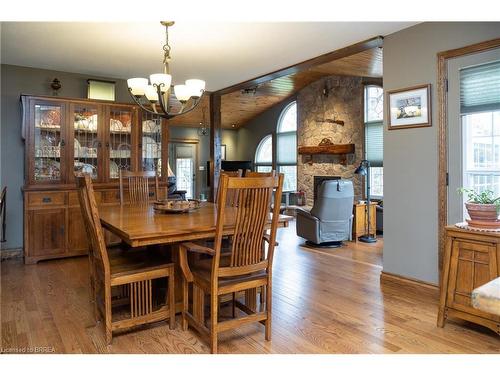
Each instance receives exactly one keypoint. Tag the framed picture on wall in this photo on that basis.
(223, 152)
(409, 107)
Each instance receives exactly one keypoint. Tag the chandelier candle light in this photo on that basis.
(158, 89)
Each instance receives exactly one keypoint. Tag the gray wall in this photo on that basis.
(254, 130)
(17, 80)
(411, 155)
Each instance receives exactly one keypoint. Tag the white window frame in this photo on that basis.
(366, 123)
(478, 171)
(258, 164)
(278, 133)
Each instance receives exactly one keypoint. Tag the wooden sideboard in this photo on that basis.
(359, 227)
(64, 136)
(471, 259)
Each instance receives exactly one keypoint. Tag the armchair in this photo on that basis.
(330, 220)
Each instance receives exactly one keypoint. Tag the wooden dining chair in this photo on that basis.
(138, 186)
(249, 173)
(247, 267)
(231, 197)
(138, 276)
(250, 295)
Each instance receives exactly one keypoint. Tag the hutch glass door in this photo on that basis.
(48, 142)
(86, 142)
(151, 143)
(120, 141)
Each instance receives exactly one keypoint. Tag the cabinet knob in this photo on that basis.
(63, 143)
(46, 199)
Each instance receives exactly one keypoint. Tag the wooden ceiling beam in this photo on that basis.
(304, 65)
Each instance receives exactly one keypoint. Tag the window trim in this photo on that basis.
(264, 164)
(282, 115)
(365, 106)
(278, 133)
(370, 123)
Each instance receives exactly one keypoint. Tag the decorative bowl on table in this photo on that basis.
(174, 206)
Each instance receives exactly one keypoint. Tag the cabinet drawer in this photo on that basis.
(73, 198)
(46, 199)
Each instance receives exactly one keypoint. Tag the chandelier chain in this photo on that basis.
(166, 48)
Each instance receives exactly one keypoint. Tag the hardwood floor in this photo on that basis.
(325, 301)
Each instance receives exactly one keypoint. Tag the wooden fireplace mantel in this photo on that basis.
(338, 149)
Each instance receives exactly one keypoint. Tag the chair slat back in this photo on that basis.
(138, 185)
(232, 197)
(260, 174)
(251, 216)
(92, 222)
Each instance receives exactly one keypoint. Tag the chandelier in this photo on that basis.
(148, 94)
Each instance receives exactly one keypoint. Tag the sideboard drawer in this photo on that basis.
(46, 199)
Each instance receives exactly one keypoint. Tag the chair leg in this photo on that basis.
(213, 319)
(268, 310)
(108, 316)
(171, 299)
(185, 303)
(234, 305)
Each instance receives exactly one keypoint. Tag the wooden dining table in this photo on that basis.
(141, 225)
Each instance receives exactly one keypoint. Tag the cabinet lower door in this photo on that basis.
(47, 232)
(472, 265)
(77, 236)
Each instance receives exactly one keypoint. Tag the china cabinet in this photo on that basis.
(64, 136)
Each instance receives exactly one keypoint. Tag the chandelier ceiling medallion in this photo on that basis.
(148, 94)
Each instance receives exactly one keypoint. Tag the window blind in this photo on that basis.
(287, 148)
(374, 143)
(480, 88)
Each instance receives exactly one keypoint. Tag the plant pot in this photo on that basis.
(482, 212)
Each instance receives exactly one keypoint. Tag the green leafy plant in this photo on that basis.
(484, 197)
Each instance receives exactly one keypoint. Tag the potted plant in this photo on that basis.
(483, 206)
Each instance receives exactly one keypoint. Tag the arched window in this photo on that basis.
(264, 155)
(286, 144)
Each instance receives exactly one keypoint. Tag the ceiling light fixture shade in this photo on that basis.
(182, 93)
(137, 86)
(151, 93)
(196, 87)
(157, 90)
(161, 80)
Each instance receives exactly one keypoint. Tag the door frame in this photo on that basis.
(196, 144)
(442, 97)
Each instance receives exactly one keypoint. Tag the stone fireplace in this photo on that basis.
(330, 98)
